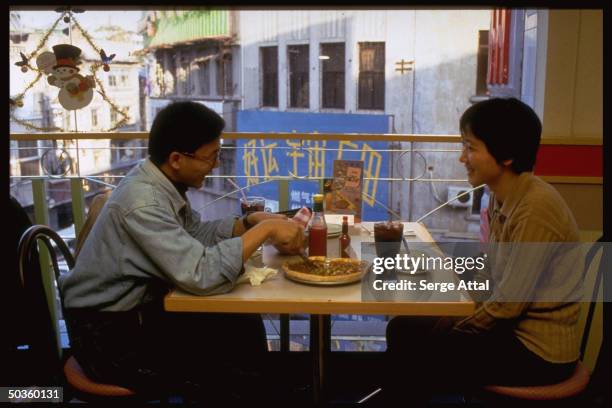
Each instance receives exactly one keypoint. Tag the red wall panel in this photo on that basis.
(569, 161)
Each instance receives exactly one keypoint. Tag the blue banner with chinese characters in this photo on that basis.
(260, 159)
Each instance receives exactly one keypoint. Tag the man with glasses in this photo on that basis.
(146, 241)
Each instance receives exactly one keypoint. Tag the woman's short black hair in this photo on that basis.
(508, 127)
(182, 127)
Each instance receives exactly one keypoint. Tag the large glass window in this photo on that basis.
(372, 75)
(269, 69)
(357, 88)
(332, 75)
(204, 77)
(298, 75)
(224, 75)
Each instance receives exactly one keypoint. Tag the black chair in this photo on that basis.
(75, 377)
(572, 389)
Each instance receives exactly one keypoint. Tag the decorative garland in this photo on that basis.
(41, 44)
(17, 101)
(114, 107)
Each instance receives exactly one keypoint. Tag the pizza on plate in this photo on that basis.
(320, 270)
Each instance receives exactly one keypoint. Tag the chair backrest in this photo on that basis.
(94, 210)
(593, 276)
(27, 249)
(21, 316)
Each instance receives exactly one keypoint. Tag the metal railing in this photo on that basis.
(399, 145)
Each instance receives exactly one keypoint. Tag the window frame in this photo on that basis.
(224, 81)
(301, 99)
(482, 63)
(377, 73)
(204, 68)
(322, 64)
(272, 72)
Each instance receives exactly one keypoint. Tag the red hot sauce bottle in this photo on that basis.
(345, 239)
(317, 229)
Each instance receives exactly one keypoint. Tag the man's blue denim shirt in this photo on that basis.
(146, 240)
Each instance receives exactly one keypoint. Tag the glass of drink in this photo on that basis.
(388, 238)
(252, 204)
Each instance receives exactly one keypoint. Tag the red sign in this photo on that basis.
(499, 47)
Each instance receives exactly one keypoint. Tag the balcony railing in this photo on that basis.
(398, 147)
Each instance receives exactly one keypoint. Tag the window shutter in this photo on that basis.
(499, 47)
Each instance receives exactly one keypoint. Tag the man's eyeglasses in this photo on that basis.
(212, 161)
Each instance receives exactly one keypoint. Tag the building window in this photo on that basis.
(171, 87)
(183, 77)
(113, 116)
(332, 78)
(112, 80)
(298, 75)
(224, 75)
(184, 74)
(372, 75)
(204, 77)
(482, 62)
(28, 149)
(124, 80)
(269, 82)
(94, 117)
(191, 79)
(29, 167)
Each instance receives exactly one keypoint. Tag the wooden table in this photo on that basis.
(280, 295)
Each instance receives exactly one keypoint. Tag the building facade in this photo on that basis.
(417, 69)
(193, 55)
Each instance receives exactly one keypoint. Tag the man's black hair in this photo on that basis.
(182, 127)
(508, 127)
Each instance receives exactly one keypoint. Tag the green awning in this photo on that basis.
(189, 26)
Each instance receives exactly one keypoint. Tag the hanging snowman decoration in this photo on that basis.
(76, 91)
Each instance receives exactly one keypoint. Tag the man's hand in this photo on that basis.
(287, 236)
(256, 217)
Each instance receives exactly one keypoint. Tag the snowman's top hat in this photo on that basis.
(66, 55)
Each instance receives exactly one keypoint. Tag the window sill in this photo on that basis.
(196, 98)
(332, 110)
(479, 98)
(369, 111)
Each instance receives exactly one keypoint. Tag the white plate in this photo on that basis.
(307, 282)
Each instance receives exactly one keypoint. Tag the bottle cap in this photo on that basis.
(317, 198)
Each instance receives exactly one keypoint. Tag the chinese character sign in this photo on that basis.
(259, 160)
